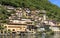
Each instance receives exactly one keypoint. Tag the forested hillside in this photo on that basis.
(53, 12)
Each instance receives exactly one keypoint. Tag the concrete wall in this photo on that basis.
(55, 28)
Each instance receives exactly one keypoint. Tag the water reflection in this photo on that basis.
(56, 35)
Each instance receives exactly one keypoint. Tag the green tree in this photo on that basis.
(32, 4)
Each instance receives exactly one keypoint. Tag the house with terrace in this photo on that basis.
(17, 24)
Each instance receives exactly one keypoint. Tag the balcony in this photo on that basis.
(30, 23)
(18, 22)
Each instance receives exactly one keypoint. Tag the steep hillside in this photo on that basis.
(52, 10)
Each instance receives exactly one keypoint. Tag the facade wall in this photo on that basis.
(55, 28)
(16, 28)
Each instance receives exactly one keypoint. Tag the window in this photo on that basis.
(1, 31)
(5, 26)
(9, 30)
(13, 29)
(29, 22)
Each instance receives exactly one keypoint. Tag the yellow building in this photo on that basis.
(24, 25)
(19, 24)
(15, 28)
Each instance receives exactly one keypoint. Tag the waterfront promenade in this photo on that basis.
(56, 35)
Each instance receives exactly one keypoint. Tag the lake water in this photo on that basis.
(56, 35)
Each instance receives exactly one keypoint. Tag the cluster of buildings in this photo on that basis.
(26, 20)
(19, 22)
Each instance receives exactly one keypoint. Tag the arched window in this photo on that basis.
(13, 29)
(9, 30)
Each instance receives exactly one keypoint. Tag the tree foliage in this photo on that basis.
(52, 10)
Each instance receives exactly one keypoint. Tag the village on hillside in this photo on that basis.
(25, 20)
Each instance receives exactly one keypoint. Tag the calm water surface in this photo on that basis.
(56, 35)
